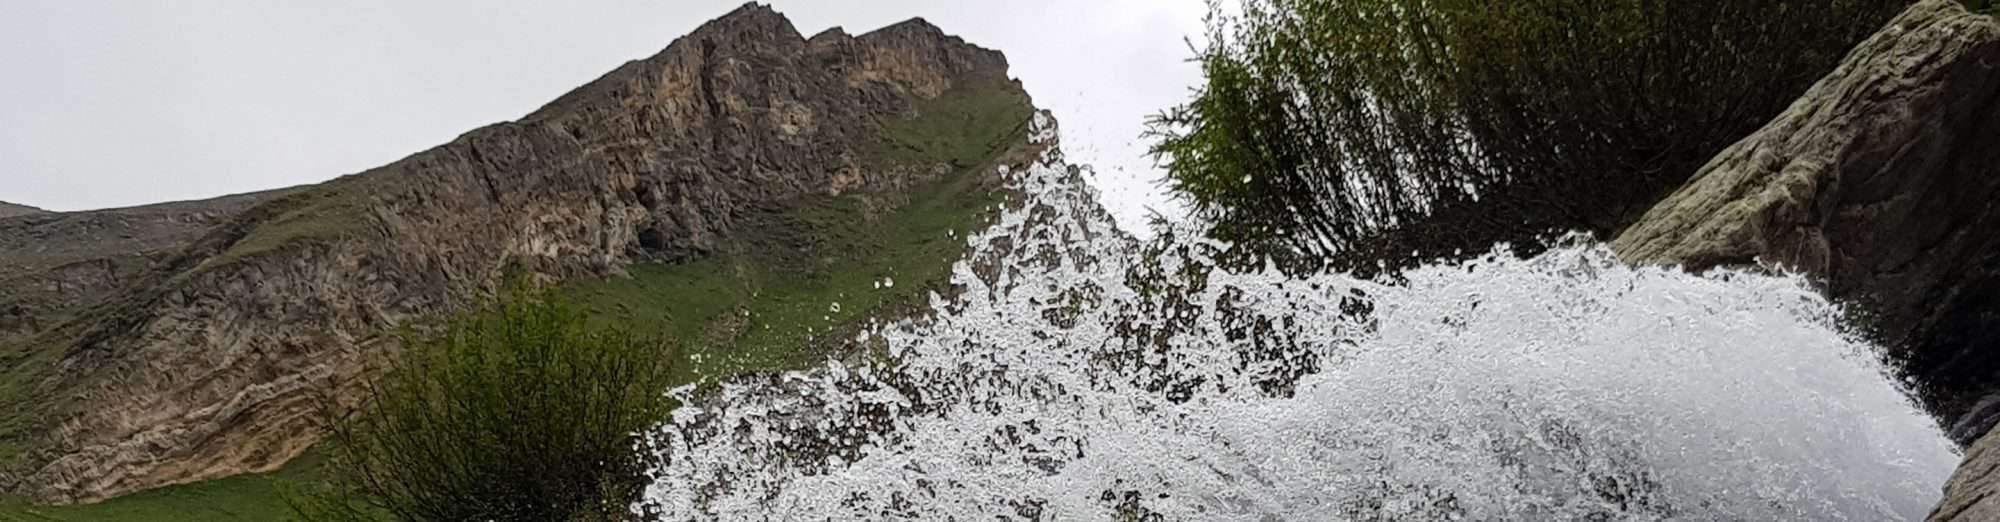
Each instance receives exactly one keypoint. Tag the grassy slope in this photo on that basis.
(254, 497)
(810, 272)
(800, 282)
(767, 304)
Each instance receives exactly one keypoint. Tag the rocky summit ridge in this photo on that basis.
(169, 344)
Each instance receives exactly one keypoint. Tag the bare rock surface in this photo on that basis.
(1973, 493)
(203, 360)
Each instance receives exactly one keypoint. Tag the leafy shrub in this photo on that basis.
(1358, 131)
(517, 411)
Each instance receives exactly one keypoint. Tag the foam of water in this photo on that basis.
(1078, 374)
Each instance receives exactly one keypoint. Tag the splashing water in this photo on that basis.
(1077, 374)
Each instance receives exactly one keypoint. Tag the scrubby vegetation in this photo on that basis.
(1347, 132)
(517, 411)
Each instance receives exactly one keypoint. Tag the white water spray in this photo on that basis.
(1081, 375)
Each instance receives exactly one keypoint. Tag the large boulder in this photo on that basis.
(1882, 183)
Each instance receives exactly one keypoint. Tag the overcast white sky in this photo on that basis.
(118, 103)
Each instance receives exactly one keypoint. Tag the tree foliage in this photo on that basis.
(518, 411)
(1358, 131)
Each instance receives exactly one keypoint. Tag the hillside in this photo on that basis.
(11, 210)
(52, 264)
(726, 190)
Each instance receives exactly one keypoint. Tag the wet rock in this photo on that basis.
(1883, 183)
(1973, 493)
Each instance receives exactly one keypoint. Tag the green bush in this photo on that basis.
(1358, 131)
(515, 412)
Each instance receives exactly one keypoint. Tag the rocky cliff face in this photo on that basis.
(1883, 182)
(206, 364)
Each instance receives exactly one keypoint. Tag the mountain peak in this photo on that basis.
(753, 18)
(912, 56)
(915, 25)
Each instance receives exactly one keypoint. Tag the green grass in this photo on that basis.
(961, 126)
(805, 281)
(764, 303)
(252, 497)
(320, 212)
(769, 302)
